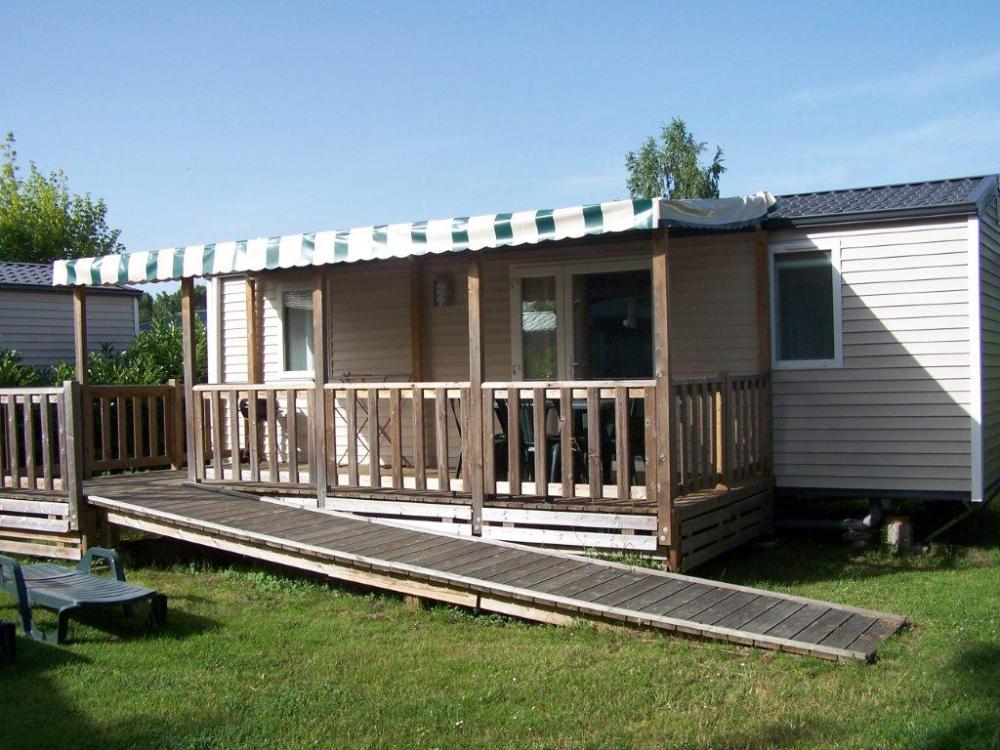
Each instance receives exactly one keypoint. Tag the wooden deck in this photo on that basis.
(488, 575)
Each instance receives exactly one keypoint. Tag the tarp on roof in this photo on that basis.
(418, 238)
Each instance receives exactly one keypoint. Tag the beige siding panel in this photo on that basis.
(896, 415)
(989, 281)
(39, 324)
(233, 320)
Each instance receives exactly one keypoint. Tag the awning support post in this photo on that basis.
(320, 356)
(192, 408)
(667, 532)
(474, 442)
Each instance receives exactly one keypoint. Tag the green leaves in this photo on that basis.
(14, 373)
(41, 221)
(669, 167)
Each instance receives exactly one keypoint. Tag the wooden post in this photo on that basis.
(667, 532)
(320, 354)
(173, 422)
(416, 322)
(476, 376)
(80, 332)
(192, 409)
(72, 471)
(255, 359)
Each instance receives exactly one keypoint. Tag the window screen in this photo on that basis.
(804, 306)
(297, 315)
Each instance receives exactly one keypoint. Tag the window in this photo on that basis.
(582, 321)
(539, 328)
(297, 319)
(805, 304)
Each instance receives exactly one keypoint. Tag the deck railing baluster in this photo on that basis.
(594, 473)
(396, 436)
(514, 440)
(232, 406)
(292, 434)
(374, 445)
(541, 441)
(419, 441)
(566, 442)
(253, 436)
(441, 437)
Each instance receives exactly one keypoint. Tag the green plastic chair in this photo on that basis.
(65, 590)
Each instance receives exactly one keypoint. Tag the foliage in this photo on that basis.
(670, 167)
(154, 356)
(167, 305)
(40, 220)
(14, 373)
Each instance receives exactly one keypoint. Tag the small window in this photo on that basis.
(297, 331)
(806, 309)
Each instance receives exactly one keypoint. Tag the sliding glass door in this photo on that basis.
(582, 321)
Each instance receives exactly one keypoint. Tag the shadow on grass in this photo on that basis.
(810, 556)
(974, 677)
(38, 715)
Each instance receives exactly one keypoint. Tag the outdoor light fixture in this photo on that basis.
(442, 291)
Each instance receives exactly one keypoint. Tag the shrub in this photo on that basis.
(14, 373)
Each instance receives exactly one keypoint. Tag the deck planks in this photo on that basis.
(502, 577)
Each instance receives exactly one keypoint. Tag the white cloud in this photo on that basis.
(914, 84)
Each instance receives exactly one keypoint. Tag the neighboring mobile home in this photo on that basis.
(671, 362)
(37, 318)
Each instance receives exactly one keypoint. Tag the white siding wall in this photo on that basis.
(39, 324)
(989, 278)
(896, 415)
(234, 330)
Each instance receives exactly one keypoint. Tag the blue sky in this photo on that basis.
(209, 121)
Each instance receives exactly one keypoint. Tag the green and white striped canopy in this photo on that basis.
(418, 238)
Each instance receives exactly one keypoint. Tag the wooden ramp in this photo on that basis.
(495, 576)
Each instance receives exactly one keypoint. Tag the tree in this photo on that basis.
(166, 306)
(40, 220)
(670, 167)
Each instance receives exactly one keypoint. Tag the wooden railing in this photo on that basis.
(132, 427)
(590, 440)
(722, 431)
(569, 439)
(406, 435)
(40, 472)
(255, 433)
(32, 438)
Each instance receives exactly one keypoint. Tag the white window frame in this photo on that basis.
(807, 246)
(563, 273)
(285, 373)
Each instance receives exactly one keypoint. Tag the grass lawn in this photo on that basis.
(258, 658)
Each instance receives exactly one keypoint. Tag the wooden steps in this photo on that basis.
(489, 575)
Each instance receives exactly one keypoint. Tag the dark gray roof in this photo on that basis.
(38, 276)
(931, 198)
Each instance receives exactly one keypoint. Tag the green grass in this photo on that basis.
(258, 658)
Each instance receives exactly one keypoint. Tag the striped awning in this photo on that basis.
(417, 238)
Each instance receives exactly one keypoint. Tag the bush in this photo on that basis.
(14, 373)
(154, 356)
